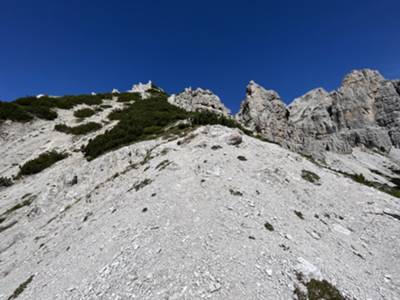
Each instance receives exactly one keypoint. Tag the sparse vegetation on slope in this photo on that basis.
(80, 129)
(149, 119)
(40, 163)
(360, 178)
(139, 121)
(26, 108)
(383, 187)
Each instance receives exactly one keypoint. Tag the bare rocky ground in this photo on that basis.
(189, 218)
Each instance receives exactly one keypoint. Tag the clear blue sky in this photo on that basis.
(69, 47)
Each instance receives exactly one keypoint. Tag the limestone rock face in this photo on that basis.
(264, 112)
(142, 89)
(199, 100)
(364, 111)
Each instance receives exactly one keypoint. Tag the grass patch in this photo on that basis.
(80, 129)
(21, 288)
(84, 113)
(40, 163)
(310, 176)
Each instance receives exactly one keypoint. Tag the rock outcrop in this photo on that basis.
(364, 111)
(199, 100)
(263, 111)
(142, 88)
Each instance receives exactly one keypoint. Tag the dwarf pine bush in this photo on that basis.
(40, 163)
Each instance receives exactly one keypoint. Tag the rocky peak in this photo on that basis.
(264, 112)
(258, 93)
(362, 77)
(199, 99)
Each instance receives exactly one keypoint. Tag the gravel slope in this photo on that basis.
(185, 219)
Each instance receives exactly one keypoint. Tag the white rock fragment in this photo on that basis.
(339, 228)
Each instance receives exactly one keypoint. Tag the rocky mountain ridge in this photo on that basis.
(195, 211)
(364, 111)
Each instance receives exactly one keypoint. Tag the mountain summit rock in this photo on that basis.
(199, 100)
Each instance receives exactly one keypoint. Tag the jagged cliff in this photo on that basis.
(364, 111)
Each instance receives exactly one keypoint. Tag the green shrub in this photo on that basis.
(42, 112)
(322, 290)
(140, 121)
(84, 113)
(40, 163)
(25, 108)
(299, 214)
(105, 96)
(155, 91)
(104, 106)
(210, 118)
(5, 182)
(128, 97)
(21, 288)
(80, 129)
(14, 112)
(269, 226)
